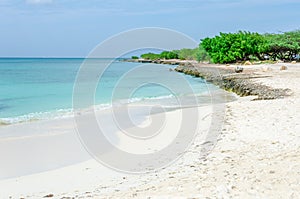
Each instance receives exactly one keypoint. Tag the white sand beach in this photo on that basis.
(257, 155)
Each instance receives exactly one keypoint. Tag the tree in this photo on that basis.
(284, 46)
(187, 54)
(232, 47)
(168, 55)
(201, 54)
(151, 56)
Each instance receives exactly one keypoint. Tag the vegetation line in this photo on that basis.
(238, 47)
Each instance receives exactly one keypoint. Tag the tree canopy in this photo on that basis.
(151, 56)
(198, 54)
(162, 55)
(284, 46)
(232, 47)
(239, 46)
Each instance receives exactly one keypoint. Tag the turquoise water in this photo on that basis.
(35, 88)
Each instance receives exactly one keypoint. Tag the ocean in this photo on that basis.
(42, 88)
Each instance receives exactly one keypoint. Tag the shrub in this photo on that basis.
(232, 47)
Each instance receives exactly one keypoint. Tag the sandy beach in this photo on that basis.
(257, 154)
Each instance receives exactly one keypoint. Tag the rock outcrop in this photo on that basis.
(240, 84)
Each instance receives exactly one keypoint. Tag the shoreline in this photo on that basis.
(226, 78)
(257, 142)
(239, 83)
(69, 113)
(257, 155)
(68, 179)
(59, 134)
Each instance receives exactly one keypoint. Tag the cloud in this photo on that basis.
(39, 1)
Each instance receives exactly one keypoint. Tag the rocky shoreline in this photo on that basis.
(160, 61)
(225, 78)
(239, 83)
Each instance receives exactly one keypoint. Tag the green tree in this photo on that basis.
(201, 54)
(187, 54)
(164, 54)
(151, 56)
(232, 47)
(168, 55)
(284, 46)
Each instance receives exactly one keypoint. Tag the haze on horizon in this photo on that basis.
(69, 28)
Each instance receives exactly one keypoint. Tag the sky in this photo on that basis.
(72, 28)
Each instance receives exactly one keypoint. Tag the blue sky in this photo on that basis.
(72, 28)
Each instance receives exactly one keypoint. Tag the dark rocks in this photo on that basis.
(239, 83)
(157, 61)
(145, 61)
(49, 196)
(232, 80)
(238, 69)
